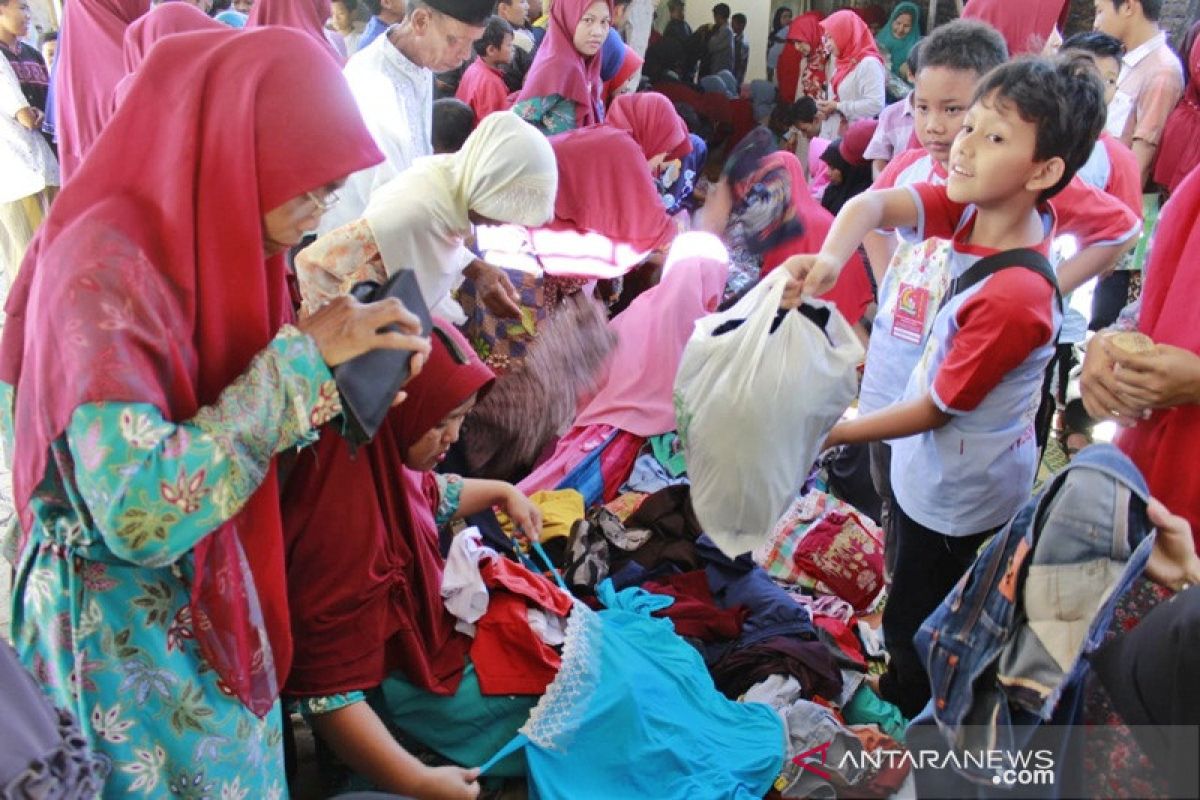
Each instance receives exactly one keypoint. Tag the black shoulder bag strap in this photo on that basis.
(1035, 262)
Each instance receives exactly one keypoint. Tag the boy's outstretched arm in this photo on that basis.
(815, 275)
(894, 422)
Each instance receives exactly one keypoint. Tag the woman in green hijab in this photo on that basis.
(897, 38)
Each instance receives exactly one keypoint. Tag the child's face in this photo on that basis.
(940, 99)
(992, 157)
(1111, 20)
(811, 130)
(835, 176)
(49, 50)
(342, 18)
(592, 29)
(502, 54)
(1110, 70)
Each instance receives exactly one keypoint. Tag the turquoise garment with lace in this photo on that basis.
(633, 713)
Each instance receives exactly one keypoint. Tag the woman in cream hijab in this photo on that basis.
(505, 173)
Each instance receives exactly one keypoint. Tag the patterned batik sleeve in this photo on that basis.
(154, 488)
(335, 262)
(315, 706)
(449, 497)
(551, 115)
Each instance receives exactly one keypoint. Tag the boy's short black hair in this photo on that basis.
(493, 35)
(1063, 98)
(1151, 8)
(804, 110)
(621, 3)
(739, 17)
(913, 62)
(1097, 43)
(48, 36)
(453, 121)
(721, 10)
(964, 44)
(351, 5)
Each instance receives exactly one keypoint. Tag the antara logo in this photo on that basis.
(806, 760)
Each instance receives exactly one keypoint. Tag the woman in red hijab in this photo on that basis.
(162, 20)
(1179, 151)
(652, 121)
(156, 375)
(1155, 395)
(1026, 25)
(308, 16)
(564, 87)
(801, 68)
(368, 615)
(87, 68)
(859, 80)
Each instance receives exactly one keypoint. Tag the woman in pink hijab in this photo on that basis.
(635, 400)
(162, 20)
(859, 80)
(307, 16)
(88, 67)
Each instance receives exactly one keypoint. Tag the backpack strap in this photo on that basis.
(1024, 257)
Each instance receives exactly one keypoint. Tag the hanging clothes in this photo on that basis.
(181, 347)
(86, 70)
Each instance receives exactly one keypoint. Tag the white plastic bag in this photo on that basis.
(753, 407)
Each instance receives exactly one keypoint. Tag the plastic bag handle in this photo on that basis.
(757, 328)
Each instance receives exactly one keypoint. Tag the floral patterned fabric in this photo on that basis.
(550, 115)
(101, 611)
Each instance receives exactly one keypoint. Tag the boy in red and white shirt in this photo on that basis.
(964, 454)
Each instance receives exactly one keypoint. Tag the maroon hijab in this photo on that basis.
(307, 16)
(364, 570)
(161, 21)
(558, 68)
(149, 285)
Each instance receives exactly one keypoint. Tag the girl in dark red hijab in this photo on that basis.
(365, 572)
(156, 377)
(652, 121)
(307, 16)
(161, 21)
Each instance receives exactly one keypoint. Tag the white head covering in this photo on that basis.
(506, 171)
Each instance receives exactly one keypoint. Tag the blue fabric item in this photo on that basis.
(741, 582)
(612, 55)
(587, 477)
(989, 668)
(375, 26)
(633, 713)
(649, 476)
(234, 19)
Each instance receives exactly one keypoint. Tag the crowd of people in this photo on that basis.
(230, 231)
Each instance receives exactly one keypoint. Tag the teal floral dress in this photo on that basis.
(101, 612)
(550, 115)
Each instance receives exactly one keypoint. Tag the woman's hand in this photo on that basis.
(826, 108)
(448, 783)
(524, 514)
(1165, 377)
(1099, 387)
(1173, 561)
(30, 117)
(344, 328)
(495, 290)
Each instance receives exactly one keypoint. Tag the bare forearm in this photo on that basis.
(363, 742)
(479, 495)
(880, 248)
(896, 422)
(1088, 263)
(1144, 152)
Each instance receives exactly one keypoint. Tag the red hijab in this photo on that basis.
(805, 29)
(148, 285)
(652, 121)
(308, 16)
(162, 20)
(558, 68)
(854, 42)
(88, 67)
(1165, 446)
(605, 186)
(1026, 25)
(367, 601)
(852, 292)
(1179, 152)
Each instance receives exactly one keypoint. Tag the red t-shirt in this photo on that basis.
(483, 89)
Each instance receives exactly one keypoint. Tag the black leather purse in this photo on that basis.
(368, 383)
